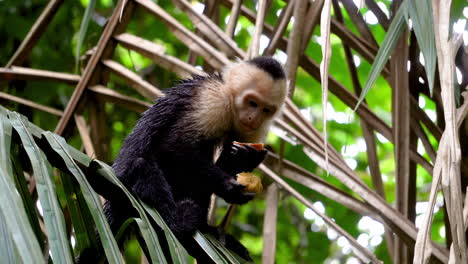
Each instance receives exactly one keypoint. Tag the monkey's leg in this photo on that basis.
(162, 242)
(152, 187)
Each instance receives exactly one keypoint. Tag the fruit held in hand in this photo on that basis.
(256, 146)
(252, 183)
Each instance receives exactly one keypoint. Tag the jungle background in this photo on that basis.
(102, 119)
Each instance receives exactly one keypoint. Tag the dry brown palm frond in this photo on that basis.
(212, 31)
(216, 46)
(156, 53)
(210, 54)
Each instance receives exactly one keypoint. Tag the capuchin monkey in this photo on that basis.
(168, 159)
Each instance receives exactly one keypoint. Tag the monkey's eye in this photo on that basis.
(253, 103)
(266, 110)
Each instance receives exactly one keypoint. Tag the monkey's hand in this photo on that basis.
(240, 158)
(233, 192)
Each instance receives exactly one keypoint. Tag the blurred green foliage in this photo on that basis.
(296, 242)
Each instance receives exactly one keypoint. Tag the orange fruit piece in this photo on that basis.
(256, 146)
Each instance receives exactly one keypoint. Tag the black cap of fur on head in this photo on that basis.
(269, 65)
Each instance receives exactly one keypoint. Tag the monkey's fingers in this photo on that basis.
(236, 149)
(234, 192)
(234, 185)
(246, 197)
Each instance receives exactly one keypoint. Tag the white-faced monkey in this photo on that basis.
(167, 161)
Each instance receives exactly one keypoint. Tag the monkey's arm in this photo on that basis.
(211, 178)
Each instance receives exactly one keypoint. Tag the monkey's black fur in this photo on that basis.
(270, 66)
(170, 166)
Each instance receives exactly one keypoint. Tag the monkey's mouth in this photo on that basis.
(248, 127)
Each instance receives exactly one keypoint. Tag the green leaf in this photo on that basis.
(111, 249)
(7, 248)
(216, 244)
(123, 228)
(17, 221)
(83, 28)
(12, 207)
(147, 230)
(53, 216)
(209, 248)
(178, 252)
(228, 254)
(151, 240)
(423, 27)
(36, 131)
(23, 189)
(5, 143)
(81, 227)
(388, 45)
(29, 204)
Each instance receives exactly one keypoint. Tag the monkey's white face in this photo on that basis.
(253, 111)
(246, 100)
(255, 107)
(257, 98)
